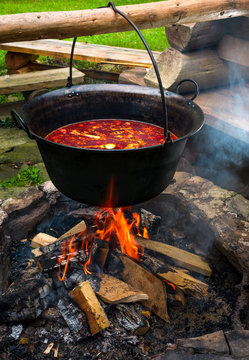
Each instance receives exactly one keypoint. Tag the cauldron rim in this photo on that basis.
(117, 88)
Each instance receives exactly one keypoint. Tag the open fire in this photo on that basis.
(111, 226)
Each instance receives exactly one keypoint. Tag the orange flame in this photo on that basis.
(169, 283)
(111, 224)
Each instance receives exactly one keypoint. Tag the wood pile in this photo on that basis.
(115, 279)
(203, 52)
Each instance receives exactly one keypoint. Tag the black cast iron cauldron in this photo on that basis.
(85, 175)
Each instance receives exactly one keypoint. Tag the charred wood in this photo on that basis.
(131, 317)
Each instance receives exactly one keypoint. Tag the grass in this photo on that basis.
(27, 177)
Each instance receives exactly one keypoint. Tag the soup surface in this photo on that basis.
(109, 134)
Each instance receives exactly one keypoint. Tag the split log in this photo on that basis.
(86, 299)
(66, 24)
(203, 66)
(181, 257)
(196, 35)
(188, 284)
(234, 49)
(115, 291)
(75, 319)
(140, 278)
(32, 66)
(132, 318)
(79, 228)
(42, 239)
(15, 61)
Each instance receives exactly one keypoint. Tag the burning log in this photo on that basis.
(182, 280)
(181, 257)
(234, 50)
(140, 278)
(204, 66)
(195, 35)
(86, 299)
(115, 291)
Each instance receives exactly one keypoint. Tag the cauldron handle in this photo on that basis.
(20, 123)
(197, 88)
(165, 113)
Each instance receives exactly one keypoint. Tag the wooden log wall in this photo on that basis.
(203, 52)
(65, 24)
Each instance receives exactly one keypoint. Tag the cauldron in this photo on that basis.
(136, 175)
(85, 174)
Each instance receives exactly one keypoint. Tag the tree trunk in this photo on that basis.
(65, 24)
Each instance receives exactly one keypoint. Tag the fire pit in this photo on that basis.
(44, 314)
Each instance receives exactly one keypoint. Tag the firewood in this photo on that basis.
(181, 257)
(86, 299)
(75, 319)
(195, 35)
(79, 228)
(140, 278)
(204, 66)
(42, 239)
(234, 49)
(36, 252)
(115, 291)
(101, 255)
(182, 280)
(132, 318)
(16, 61)
(49, 348)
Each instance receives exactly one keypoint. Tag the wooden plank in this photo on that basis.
(38, 80)
(66, 24)
(181, 257)
(86, 299)
(227, 109)
(115, 291)
(142, 279)
(77, 229)
(83, 52)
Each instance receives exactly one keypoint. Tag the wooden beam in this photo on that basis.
(234, 49)
(204, 66)
(180, 257)
(65, 24)
(142, 279)
(115, 291)
(196, 35)
(86, 299)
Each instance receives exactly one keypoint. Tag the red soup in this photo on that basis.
(109, 134)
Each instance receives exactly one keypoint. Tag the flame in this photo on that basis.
(112, 225)
(169, 283)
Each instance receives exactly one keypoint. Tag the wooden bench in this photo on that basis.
(83, 52)
(36, 80)
(10, 84)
